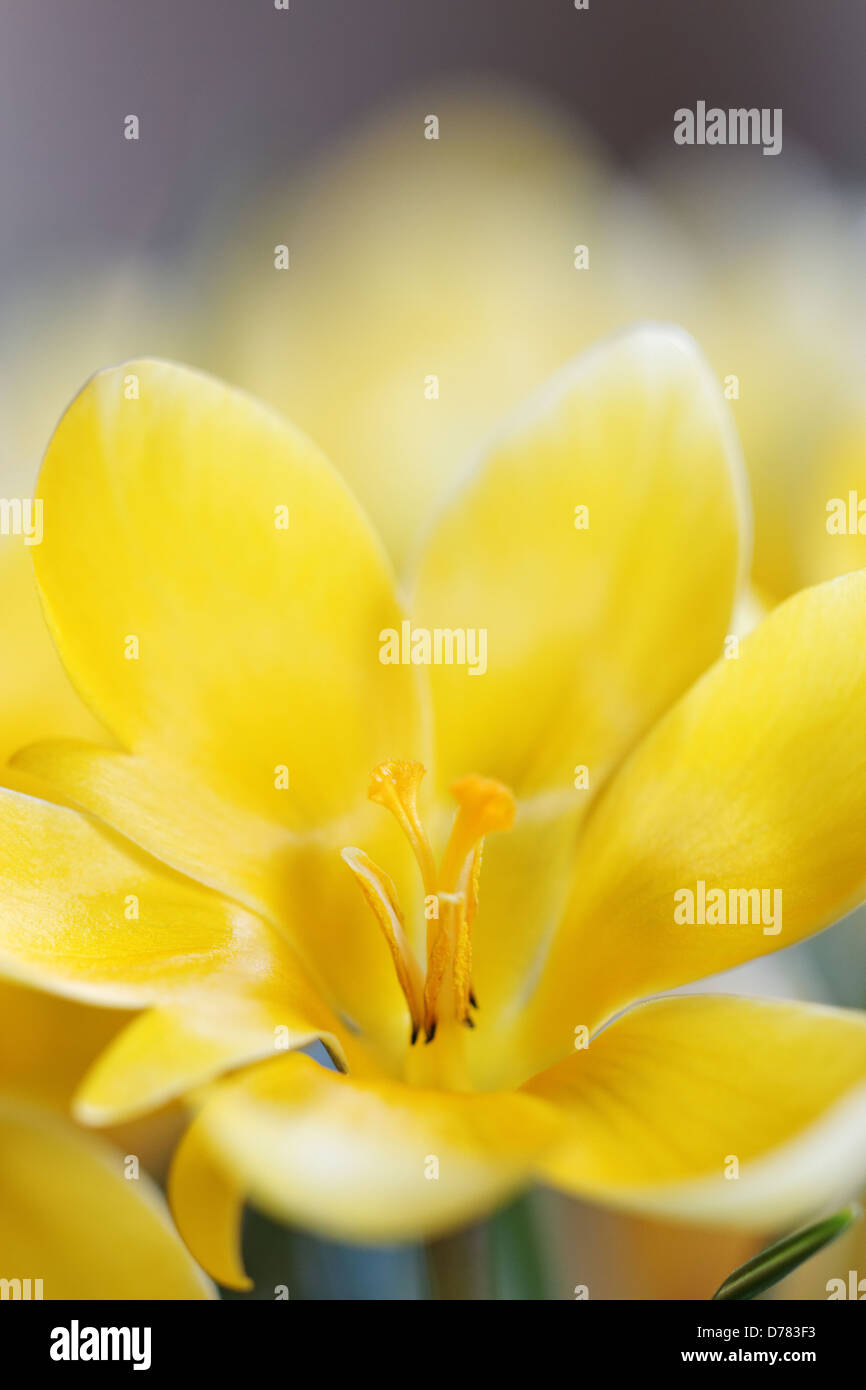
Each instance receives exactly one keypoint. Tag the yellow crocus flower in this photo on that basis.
(265, 863)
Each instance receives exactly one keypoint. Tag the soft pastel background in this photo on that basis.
(261, 127)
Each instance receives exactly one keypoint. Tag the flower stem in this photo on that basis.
(517, 1252)
(501, 1259)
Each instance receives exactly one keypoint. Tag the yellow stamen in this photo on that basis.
(381, 895)
(472, 880)
(462, 968)
(443, 933)
(483, 805)
(395, 786)
(445, 994)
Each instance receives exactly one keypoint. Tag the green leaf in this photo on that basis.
(774, 1263)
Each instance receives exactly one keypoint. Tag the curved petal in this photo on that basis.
(58, 326)
(37, 698)
(85, 915)
(719, 1109)
(217, 595)
(169, 1051)
(169, 813)
(208, 1204)
(296, 881)
(363, 1160)
(69, 1217)
(591, 632)
(255, 703)
(753, 788)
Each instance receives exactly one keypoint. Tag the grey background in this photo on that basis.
(229, 90)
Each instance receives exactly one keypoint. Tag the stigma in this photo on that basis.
(442, 989)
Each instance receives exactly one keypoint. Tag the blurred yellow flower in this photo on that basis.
(434, 283)
(221, 601)
(779, 307)
(74, 1215)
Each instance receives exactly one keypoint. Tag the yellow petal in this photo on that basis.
(524, 887)
(217, 595)
(168, 1051)
(296, 881)
(756, 780)
(726, 1110)
(69, 1217)
(208, 1205)
(361, 1160)
(58, 328)
(255, 703)
(591, 632)
(86, 915)
(63, 323)
(36, 698)
(170, 813)
(46, 1043)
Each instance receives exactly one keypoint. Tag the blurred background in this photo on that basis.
(225, 86)
(305, 127)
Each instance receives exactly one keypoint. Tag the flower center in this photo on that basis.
(444, 990)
